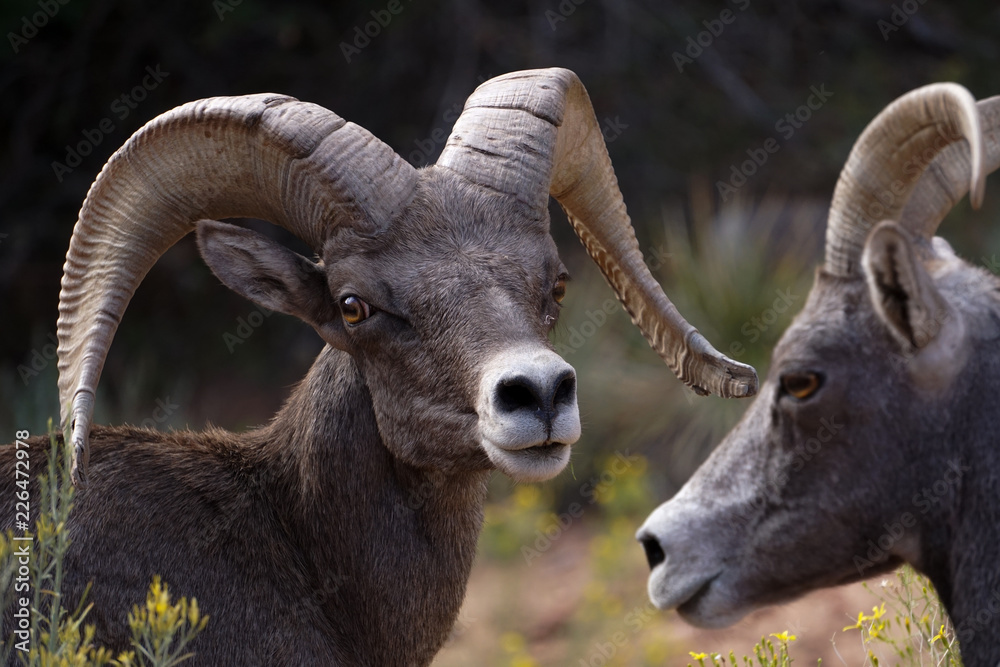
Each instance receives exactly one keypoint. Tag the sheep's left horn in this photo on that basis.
(947, 180)
(530, 134)
(887, 160)
(265, 156)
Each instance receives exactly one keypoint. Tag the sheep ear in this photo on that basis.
(900, 288)
(268, 274)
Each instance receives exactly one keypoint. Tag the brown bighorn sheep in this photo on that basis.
(873, 440)
(343, 531)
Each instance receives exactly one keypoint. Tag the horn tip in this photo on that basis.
(977, 188)
(725, 378)
(741, 382)
(81, 458)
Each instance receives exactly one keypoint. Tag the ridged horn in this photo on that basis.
(530, 134)
(887, 161)
(947, 180)
(264, 156)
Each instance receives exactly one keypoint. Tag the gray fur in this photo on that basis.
(894, 459)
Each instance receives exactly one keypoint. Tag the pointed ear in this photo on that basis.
(269, 274)
(900, 288)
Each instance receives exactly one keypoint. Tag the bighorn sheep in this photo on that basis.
(873, 440)
(343, 531)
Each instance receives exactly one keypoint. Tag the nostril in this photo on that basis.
(542, 397)
(516, 394)
(654, 552)
(565, 389)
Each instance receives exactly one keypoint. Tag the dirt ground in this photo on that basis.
(540, 606)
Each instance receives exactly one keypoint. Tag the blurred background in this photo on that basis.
(687, 95)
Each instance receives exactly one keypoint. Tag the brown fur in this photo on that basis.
(343, 532)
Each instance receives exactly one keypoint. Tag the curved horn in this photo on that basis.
(888, 159)
(533, 133)
(263, 156)
(947, 180)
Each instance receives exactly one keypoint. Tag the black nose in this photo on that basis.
(654, 552)
(541, 398)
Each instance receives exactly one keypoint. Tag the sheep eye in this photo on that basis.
(559, 290)
(801, 385)
(354, 310)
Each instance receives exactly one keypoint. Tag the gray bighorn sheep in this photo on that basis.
(873, 440)
(343, 532)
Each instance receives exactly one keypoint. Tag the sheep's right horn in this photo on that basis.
(262, 156)
(888, 158)
(531, 134)
(947, 180)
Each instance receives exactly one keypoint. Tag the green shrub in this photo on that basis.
(161, 631)
(909, 621)
(915, 626)
(764, 651)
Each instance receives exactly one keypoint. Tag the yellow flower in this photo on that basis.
(193, 613)
(512, 642)
(940, 635)
(861, 618)
(527, 496)
(784, 637)
(698, 656)
(656, 650)
(611, 606)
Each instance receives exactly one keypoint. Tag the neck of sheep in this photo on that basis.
(388, 547)
(956, 500)
(966, 570)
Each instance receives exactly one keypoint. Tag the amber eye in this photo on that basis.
(559, 290)
(801, 385)
(354, 309)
